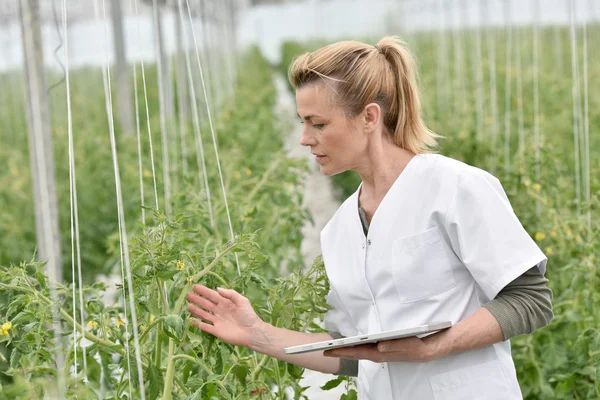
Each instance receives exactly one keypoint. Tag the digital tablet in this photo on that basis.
(371, 338)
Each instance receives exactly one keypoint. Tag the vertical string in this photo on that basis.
(212, 131)
(479, 75)
(575, 93)
(139, 37)
(71, 206)
(508, 86)
(536, 100)
(520, 112)
(491, 46)
(200, 156)
(162, 105)
(74, 208)
(586, 131)
(120, 213)
(138, 135)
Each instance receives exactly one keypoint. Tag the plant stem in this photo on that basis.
(194, 360)
(158, 347)
(262, 363)
(168, 389)
(152, 324)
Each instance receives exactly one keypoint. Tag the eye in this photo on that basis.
(318, 126)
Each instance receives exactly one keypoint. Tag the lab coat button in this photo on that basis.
(363, 245)
(382, 366)
(369, 242)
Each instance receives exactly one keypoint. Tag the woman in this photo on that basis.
(424, 238)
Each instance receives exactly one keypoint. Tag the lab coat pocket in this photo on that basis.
(420, 266)
(477, 382)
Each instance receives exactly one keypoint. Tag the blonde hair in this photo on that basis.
(360, 74)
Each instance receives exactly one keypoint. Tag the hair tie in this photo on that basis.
(378, 48)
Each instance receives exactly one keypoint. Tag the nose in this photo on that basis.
(307, 139)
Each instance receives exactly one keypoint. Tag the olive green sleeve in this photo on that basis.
(524, 305)
(347, 367)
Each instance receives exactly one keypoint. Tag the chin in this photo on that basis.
(327, 170)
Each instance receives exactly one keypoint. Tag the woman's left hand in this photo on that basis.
(408, 349)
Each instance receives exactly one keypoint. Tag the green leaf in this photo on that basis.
(168, 274)
(295, 371)
(241, 371)
(194, 337)
(333, 383)
(351, 395)
(154, 381)
(154, 305)
(173, 326)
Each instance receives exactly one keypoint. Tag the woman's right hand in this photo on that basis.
(223, 313)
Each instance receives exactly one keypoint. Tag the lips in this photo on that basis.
(319, 157)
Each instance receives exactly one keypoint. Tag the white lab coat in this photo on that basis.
(443, 242)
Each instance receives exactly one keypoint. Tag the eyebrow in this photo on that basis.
(308, 117)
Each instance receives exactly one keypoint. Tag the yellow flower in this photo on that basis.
(120, 322)
(147, 173)
(526, 182)
(92, 324)
(190, 279)
(540, 236)
(180, 265)
(248, 172)
(5, 333)
(549, 251)
(553, 234)
(7, 326)
(537, 187)
(2, 332)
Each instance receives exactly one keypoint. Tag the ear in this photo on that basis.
(372, 116)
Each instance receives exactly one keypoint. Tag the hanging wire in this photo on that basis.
(520, 112)
(508, 87)
(162, 105)
(491, 46)
(74, 208)
(200, 155)
(586, 132)
(138, 133)
(212, 131)
(139, 37)
(182, 84)
(536, 101)
(576, 104)
(479, 74)
(106, 76)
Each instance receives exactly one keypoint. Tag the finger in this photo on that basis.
(198, 312)
(353, 353)
(201, 301)
(232, 295)
(396, 345)
(203, 326)
(207, 293)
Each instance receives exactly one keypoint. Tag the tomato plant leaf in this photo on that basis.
(333, 383)
(154, 380)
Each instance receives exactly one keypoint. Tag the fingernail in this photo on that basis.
(383, 348)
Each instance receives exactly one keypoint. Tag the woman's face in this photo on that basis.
(335, 139)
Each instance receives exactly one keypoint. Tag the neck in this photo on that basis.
(382, 165)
